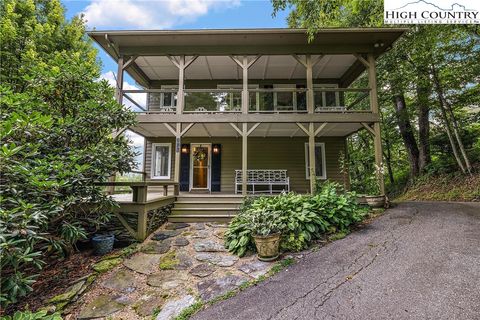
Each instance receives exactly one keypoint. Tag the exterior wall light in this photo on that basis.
(184, 149)
(215, 149)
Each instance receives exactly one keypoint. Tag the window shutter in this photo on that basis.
(185, 168)
(216, 167)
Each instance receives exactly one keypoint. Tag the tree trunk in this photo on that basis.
(423, 93)
(406, 131)
(442, 102)
(388, 153)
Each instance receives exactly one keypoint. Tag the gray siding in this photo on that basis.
(264, 153)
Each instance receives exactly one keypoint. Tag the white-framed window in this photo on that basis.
(320, 165)
(161, 160)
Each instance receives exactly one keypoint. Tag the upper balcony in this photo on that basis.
(260, 101)
(248, 75)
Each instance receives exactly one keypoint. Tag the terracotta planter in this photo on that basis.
(375, 201)
(267, 246)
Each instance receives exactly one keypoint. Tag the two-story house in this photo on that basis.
(250, 111)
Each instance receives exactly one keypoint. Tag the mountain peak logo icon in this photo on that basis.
(434, 6)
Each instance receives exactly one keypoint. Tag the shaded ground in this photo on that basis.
(178, 265)
(444, 187)
(55, 279)
(419, 261)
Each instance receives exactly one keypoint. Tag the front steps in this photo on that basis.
(205, 207)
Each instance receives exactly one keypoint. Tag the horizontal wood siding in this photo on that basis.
(263, 153)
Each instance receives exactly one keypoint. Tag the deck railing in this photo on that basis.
(213, 100)
(275, 100)
(341, 100)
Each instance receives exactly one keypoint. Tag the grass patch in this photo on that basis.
(338, 235)
(199, 305)
(444, 187)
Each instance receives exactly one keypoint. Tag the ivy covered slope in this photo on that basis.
(55, 127)
(299, 218)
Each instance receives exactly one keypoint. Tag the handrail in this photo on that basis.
(342, 89)
(211, 90)
(136, 183)
(278, 90)
(150, 90)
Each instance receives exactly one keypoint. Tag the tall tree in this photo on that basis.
(406, 78)
(55, 126)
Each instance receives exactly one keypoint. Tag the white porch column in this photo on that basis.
(311, 156)
(310, 98)
(372, 81)
(244, 157)
(119, 87)
(178, 147)
(245, 65)
(119, 99)
(181, 84)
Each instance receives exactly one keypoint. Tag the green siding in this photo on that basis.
(264, 153)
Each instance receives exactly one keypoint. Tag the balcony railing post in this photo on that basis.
(310, 99)
(181, 81)
(245, 84)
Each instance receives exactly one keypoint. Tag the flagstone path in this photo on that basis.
(178, 265)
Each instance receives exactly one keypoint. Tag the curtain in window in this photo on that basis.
(161, 161)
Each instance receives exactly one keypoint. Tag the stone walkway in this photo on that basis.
(178, 265)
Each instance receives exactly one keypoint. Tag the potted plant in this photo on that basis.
(376, 200)
(266, 228)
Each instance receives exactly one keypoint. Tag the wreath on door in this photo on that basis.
(199, 155)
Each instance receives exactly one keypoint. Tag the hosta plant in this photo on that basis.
(299, 218)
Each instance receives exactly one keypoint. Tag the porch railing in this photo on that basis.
(213, 100)
(341, 100)
(275, 100)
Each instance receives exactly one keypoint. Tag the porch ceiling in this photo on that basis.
(208, 43)
(263, 130)
(266, 67)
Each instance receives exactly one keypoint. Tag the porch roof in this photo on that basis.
(277, 45)
(263, 130)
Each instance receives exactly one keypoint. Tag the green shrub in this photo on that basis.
(300, 218)
(27, 315)
(56, 125)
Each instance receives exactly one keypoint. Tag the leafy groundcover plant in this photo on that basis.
(300, 218)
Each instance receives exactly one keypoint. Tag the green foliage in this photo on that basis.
(55, 128)
(27, 315)
(425, 53)
(300, 218)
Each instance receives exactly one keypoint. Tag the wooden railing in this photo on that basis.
(275, 100)
(140, 204)
(341, 100)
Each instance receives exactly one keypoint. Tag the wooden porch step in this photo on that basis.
(205, 204)
(228, 199)
(200, 218)
(204, 211)
(205, 207)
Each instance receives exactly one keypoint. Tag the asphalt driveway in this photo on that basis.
(419, 261)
